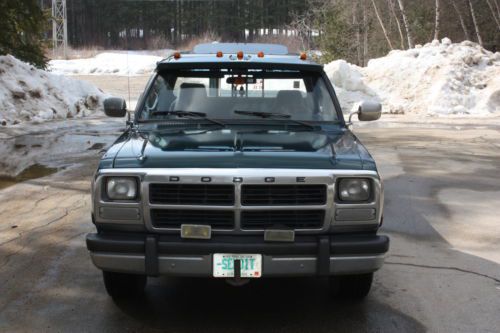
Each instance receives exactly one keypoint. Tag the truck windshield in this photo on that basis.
(231, 94)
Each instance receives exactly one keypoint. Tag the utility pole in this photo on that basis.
(59, 27)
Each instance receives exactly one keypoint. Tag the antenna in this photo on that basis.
(128, 80)
(128, 71)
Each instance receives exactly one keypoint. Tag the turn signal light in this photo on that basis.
(177, 55)
(303, 56)
(239, 80)
(219, 54)
(239, 55)
(260, 54)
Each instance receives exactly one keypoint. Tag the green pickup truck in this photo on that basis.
(237, 164)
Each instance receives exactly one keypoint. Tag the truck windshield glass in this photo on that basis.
(219, 93)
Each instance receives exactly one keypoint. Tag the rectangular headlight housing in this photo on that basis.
(354, 189)
(121, 188)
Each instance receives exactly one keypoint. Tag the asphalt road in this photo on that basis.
(442, 273)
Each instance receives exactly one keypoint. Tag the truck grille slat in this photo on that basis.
(275, 195)
(294, 219)
(191, 194)
(265, 195)
(174, 218)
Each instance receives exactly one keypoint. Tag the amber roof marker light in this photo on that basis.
(303, 56)
(239, 55)
(177, 55)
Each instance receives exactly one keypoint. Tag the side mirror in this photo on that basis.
(367, 111)
(115, 107)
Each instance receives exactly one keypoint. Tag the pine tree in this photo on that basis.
(22, 26)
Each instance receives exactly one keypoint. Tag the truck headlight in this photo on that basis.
(354, 189)
(121, 188)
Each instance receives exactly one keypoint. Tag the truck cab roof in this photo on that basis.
(239, 55)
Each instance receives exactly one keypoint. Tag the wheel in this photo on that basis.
(351, 286)
(121, 285)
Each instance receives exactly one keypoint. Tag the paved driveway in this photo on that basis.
(442, 273)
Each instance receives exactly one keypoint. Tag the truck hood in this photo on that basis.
(235, 148)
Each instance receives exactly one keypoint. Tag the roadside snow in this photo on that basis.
(30, 94)
(109, 63)
(349, 85)
(439, 78)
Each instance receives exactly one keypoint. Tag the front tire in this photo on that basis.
(354, 287)
(121, 285)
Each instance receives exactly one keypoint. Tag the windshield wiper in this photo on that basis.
(263, 114)
(275, 116)
(179, 113)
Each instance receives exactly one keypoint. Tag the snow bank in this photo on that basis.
(349, 85)
(30, 94)
(440, 78)
(109, 63)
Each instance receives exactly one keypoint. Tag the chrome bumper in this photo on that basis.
(272, 266)
(311, 256)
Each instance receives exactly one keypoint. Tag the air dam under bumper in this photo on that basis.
(155, 255)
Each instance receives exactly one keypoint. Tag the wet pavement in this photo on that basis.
(441, 274)
(32, 172)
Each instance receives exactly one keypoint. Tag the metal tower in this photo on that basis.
(59, 27)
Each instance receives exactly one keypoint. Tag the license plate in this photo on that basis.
(250, 265)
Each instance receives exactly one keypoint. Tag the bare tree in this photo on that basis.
(497, 21)
(406, 23)
(382, 25)
(497, 7)
(436, 24)
(365, 35)
(461, 18)
(474, 20)
(393, 11)
(357, 27)
(300, 24)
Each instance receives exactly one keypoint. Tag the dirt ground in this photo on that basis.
(441, 212)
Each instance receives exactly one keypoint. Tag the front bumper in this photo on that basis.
(156, 255)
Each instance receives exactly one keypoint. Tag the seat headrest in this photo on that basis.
(192, 97)
(290, 102)
(289, 95)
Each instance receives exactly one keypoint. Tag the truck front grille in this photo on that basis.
(293, 219)
(174, 218)
(283, 195)
(191, 194)
(235, 207)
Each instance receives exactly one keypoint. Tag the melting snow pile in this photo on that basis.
(30, 94)
(439, 78)
(349, 84)
(107, 63)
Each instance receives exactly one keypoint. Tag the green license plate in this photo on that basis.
(250, 265)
